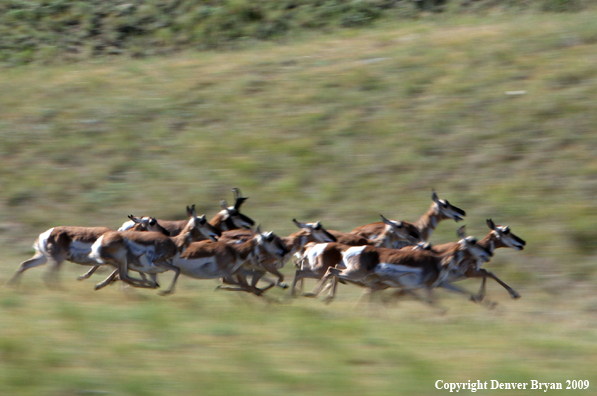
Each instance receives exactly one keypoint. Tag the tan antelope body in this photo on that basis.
(229, 218)
(422, 229)
(317, 259)
(69, 243)
(498, 237)
(294, 243)
(149, 252)
(408, 269)
(212, 260)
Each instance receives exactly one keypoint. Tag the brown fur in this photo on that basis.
(58, 249)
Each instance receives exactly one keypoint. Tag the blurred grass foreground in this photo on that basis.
(493, 106)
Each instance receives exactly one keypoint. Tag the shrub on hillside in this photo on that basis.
(51, 30)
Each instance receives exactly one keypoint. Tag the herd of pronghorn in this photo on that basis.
(386, 255)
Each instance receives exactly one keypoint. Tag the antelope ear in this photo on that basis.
(298, 223)
(490, 224)
(384, 219)
(461, 232)
(131, 217)
(317, 226)
(223, 204)
(434, 196)
(190, 210)
(152, 221)
(258, 229)
(202, 219)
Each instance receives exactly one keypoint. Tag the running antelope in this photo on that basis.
(409, 269)
(229, 218)
(319, 257)
(295, 243)
(439, 210)
(148, 252)
(66, 243)
(212, 260)
(498, 237)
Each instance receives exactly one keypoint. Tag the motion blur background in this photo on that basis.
(317, 110)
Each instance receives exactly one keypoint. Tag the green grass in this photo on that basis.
(338, 128)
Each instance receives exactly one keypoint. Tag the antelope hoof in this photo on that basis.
(478, 298)
(310, 295)
(164, 292)
(328, 300)
(283, 285)
(81, 277)
(515, 295)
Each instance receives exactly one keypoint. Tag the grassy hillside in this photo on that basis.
(495, 113)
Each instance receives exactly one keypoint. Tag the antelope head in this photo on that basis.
(233, 214)
(504, 237)
(147, 224)
(316, 231)
(271, 243)
(445, 210)
(404, 231)
(200, 226)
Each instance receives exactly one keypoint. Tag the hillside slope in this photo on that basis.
(52, 31)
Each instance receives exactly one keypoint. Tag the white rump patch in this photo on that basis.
(42, 241)
(316, 250)
(127, 225)
(353, 251)
(96, 248)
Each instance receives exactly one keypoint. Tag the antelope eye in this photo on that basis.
(152, 222)
(317, 227)
(269, 238)
(202, 221)
(506, 231)
(414, 235)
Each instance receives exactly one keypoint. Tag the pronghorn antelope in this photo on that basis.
(229, 218)
(439, 210)
(408, 269)
(66, 243)
(498, 237)
(319, 257)
(265, 262)
(316, 260)
(147, 252)
(212, 260)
